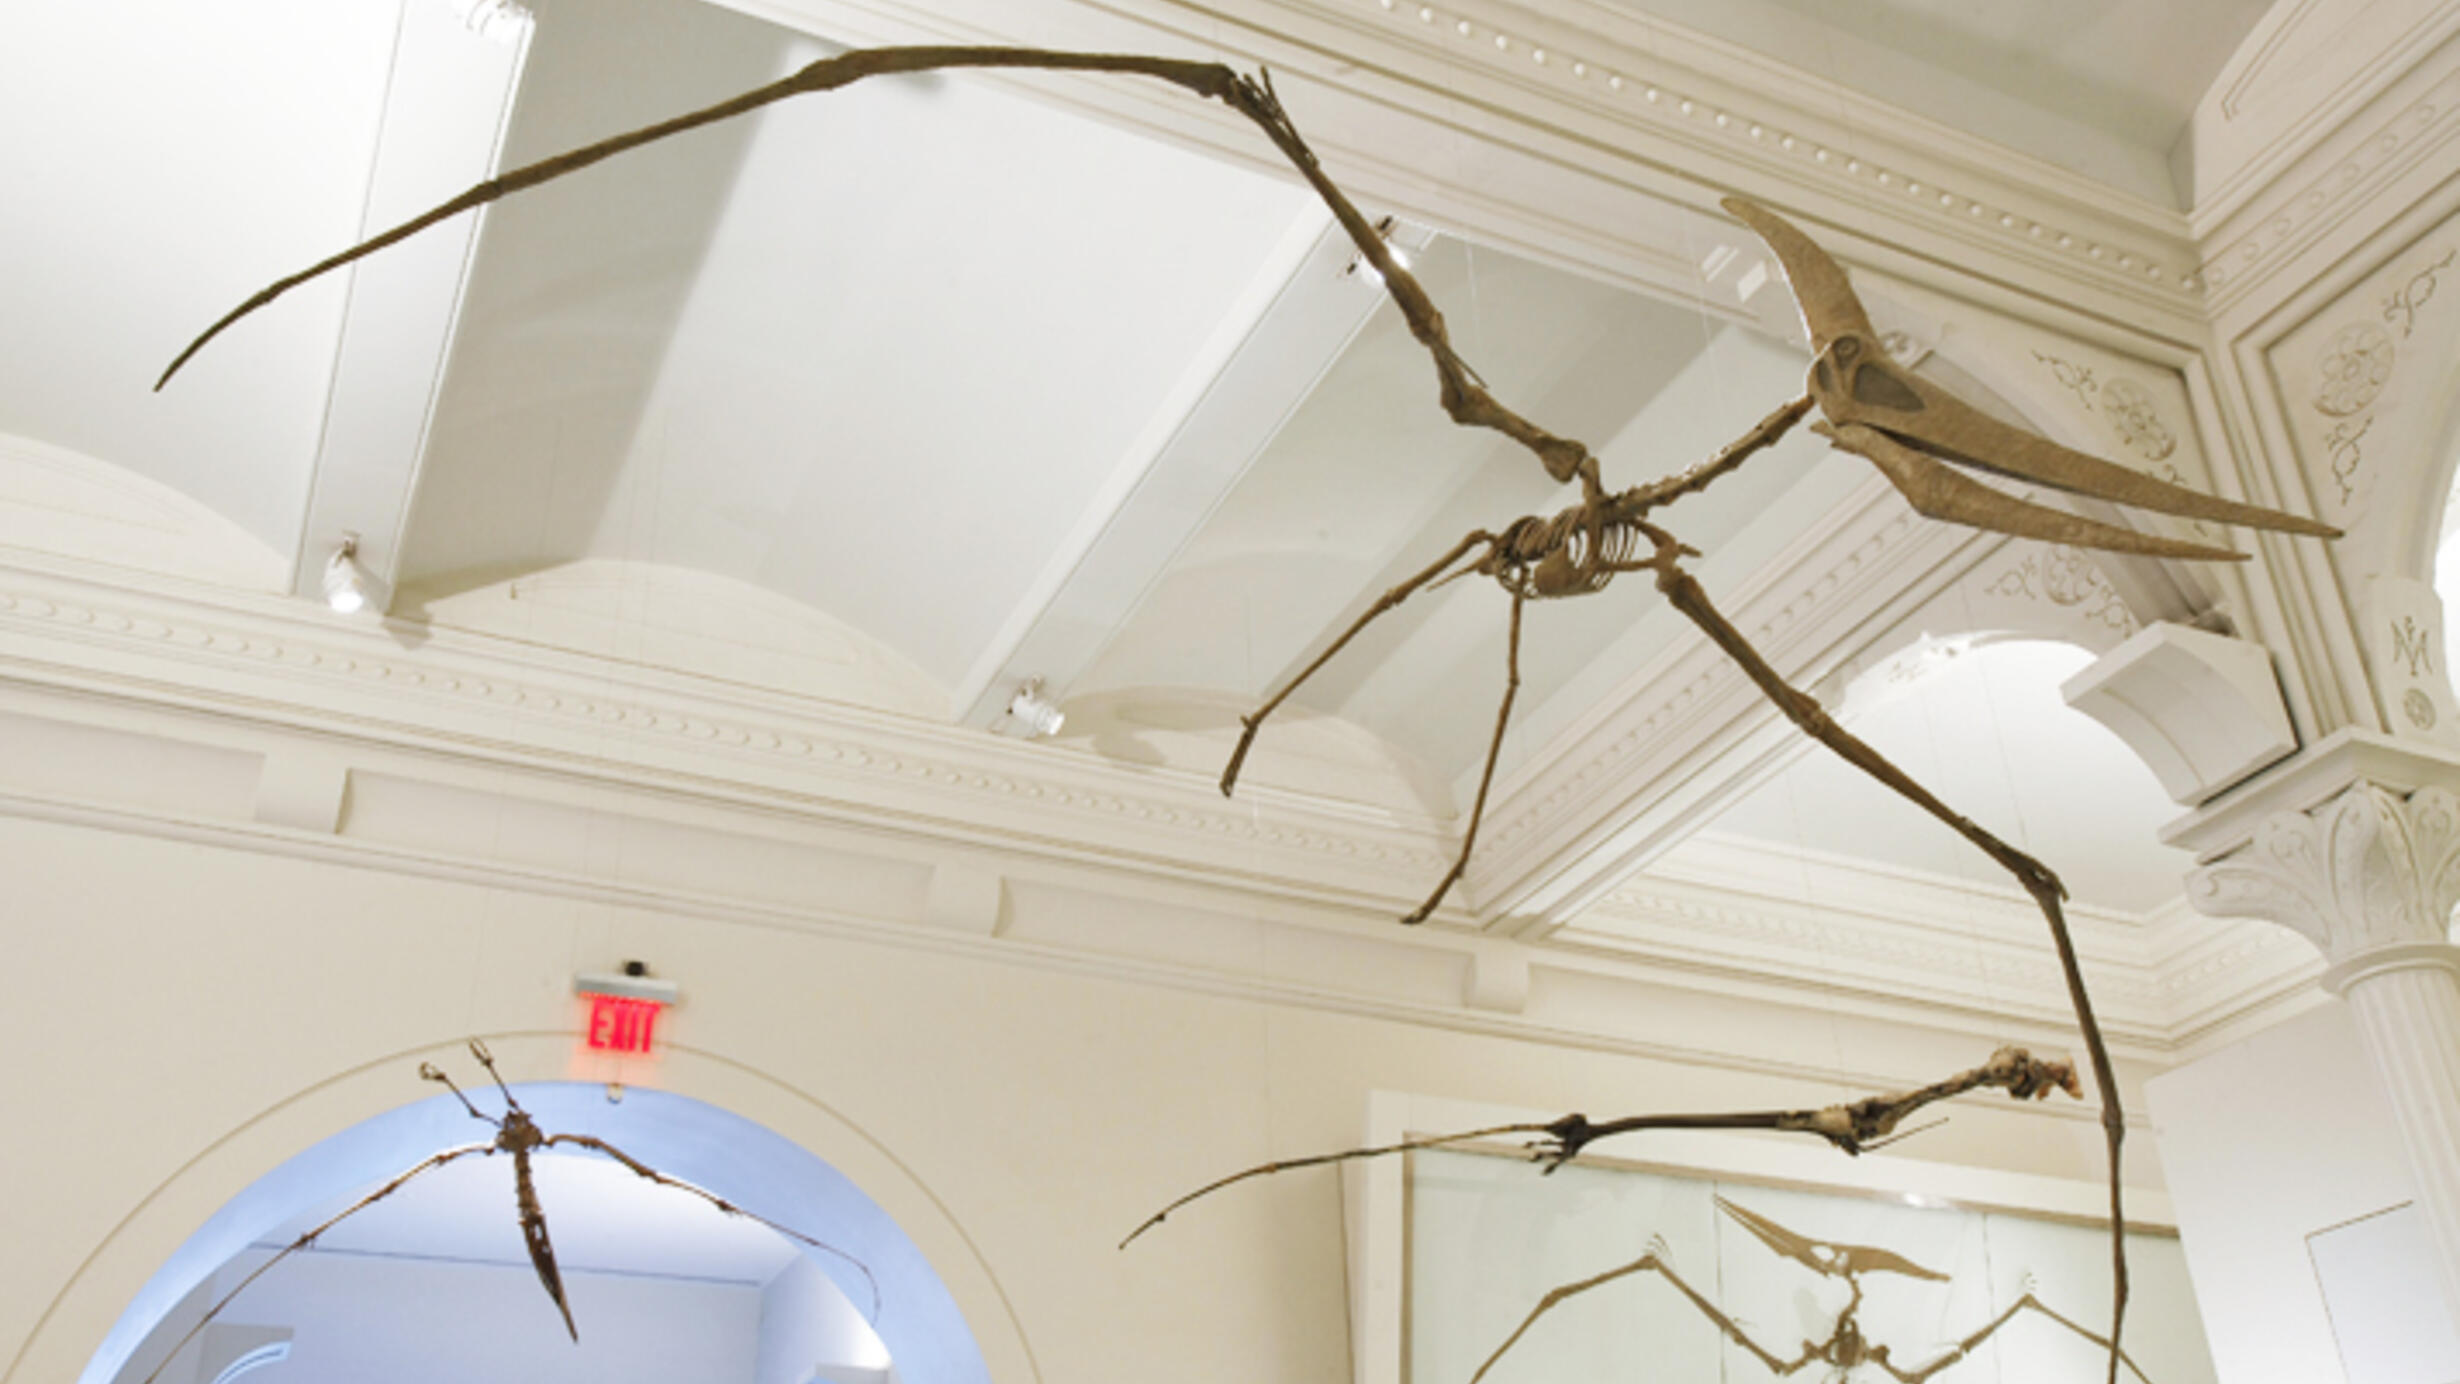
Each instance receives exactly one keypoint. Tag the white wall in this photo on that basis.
(189, 1015)
(2268, 1142)
(372, 1320)
(805, 1322)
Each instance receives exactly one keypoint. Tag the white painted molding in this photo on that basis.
(1498, 977)
(2399, 123)
(2368, 871)
(964, 898)
(2307, 780)
(2203, 710)
(303, 789)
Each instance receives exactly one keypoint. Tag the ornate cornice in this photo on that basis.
(458, 693)
(480, 721)
(1725, 102)
(2298, 211)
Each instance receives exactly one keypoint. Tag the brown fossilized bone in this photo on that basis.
(518, 1135)
(1846, 1349)
(1855, 1127)
(1915, 432)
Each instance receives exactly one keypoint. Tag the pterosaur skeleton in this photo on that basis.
(1854, 1127)
(1846, 1349)
(519, 1135)
(1915, 432)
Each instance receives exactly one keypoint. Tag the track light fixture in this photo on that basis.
(349, 587)
(1031, 715)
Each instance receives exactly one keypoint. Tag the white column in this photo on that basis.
(2371, 877)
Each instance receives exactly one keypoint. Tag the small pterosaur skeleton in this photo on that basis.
(1846, 1349)
(519, 1135)
(1915, 432)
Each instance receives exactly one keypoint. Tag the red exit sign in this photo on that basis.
(622, 1024)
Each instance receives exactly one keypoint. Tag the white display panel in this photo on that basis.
(2380, 1285)
(1490, 1236)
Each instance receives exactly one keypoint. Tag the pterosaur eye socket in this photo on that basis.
(1847, 348)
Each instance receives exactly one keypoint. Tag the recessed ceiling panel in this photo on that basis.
(877, 351)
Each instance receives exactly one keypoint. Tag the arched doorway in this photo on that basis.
(433, 1280)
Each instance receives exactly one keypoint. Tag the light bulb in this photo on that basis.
(348, 586)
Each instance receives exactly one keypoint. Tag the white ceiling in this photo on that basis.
(885, 378)
(935, 309)
(157, 155)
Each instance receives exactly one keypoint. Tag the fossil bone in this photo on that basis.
(519, 1135)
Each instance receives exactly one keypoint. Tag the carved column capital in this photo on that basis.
(2368, 873)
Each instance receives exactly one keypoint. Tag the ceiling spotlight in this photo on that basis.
(1033, 715)
(349, 587)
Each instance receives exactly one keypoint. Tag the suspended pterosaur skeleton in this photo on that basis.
(1854, 1127)
(1915, 432)
(1846, 1350)
(519, 1135)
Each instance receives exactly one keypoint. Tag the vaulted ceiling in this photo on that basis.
(901, 396)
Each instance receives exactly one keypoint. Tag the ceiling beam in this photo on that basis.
(1237, 396)
(447, 104)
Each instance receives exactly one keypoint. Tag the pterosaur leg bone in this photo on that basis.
(1685, 593)
(1486, 776)
(1427, 576)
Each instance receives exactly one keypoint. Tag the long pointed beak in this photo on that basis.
(1937, 491)
(1923, 415)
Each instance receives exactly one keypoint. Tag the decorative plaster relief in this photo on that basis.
(2068, 578)
(2128, 406)
(2350, 371)
(2412, 677)
(2366, 871)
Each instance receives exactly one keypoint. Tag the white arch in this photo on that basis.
(945, 1317)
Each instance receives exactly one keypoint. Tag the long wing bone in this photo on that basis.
(430, 1163)
(1854, 1127)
